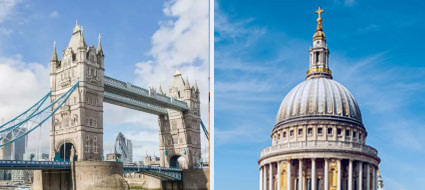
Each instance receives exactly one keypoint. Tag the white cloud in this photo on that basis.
(6, 6)
(181, 42)
(22, 84)
(54, 14)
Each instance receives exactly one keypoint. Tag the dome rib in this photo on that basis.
(319, 97)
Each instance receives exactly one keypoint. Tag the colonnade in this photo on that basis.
(309, 174)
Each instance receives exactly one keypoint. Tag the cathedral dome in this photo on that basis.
(319, 98)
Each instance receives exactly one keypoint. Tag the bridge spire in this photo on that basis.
(99, 46)
(196, 86)
(160, 89)
(54, 54)
(186, 84)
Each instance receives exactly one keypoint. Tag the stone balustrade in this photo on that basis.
(308, 145)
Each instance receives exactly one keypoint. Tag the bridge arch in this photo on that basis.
(178, 161)
(63, 150)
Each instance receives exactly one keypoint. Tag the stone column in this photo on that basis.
(326, 174)
(350, 175)
(313, 174)
(261, 178)
(300, 174)
(368, 177)
(289, 175)
(360, 180)
(271, 176)
(278, 176)
(338, 186)
(373, 177)
(264, 177)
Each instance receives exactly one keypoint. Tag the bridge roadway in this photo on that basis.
(125, 94)
(164, 174)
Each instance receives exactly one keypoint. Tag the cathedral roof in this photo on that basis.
(319, 98)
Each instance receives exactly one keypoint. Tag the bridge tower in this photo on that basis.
(180, 131)
(78, 125)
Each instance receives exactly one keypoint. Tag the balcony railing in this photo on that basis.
(308, 145)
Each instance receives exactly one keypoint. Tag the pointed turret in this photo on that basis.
(99, 46)
(54, 54)
(160, 90)
(186, 84)
(77, 27)
(81, 42)
(319, 53)
(177, 73)
(77, 39)
(196, 86)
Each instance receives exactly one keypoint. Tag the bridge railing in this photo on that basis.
(319, 144)
(144, 92)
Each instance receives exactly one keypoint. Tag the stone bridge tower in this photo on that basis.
(180, 131)
(78, 125)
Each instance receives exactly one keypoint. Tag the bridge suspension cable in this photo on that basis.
(17, 124)
(12, 123)
(205, 130)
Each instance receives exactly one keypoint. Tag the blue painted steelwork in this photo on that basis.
(36, 106)
(62, 99)
(135, 92)
(33, 165)
(164, 174)
(205, 130)
(132, 103)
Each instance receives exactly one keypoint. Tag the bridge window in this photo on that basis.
(95, 147)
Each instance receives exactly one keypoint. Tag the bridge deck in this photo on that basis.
(166, 174)
(117, 87)
(33, 165)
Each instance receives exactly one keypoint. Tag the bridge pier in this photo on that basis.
(172, 185)
(52, 180)
(84, 175)
(195, 179)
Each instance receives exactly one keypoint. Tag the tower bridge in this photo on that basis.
(78, 90)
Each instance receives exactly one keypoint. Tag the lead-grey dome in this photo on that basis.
(319, 98)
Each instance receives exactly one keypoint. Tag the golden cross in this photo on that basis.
(320, 11)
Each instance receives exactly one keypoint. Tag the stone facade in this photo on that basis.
(180, 131)
(79, 122)
(319, 140)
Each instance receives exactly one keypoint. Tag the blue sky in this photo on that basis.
(261, 52)
(144, 42)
